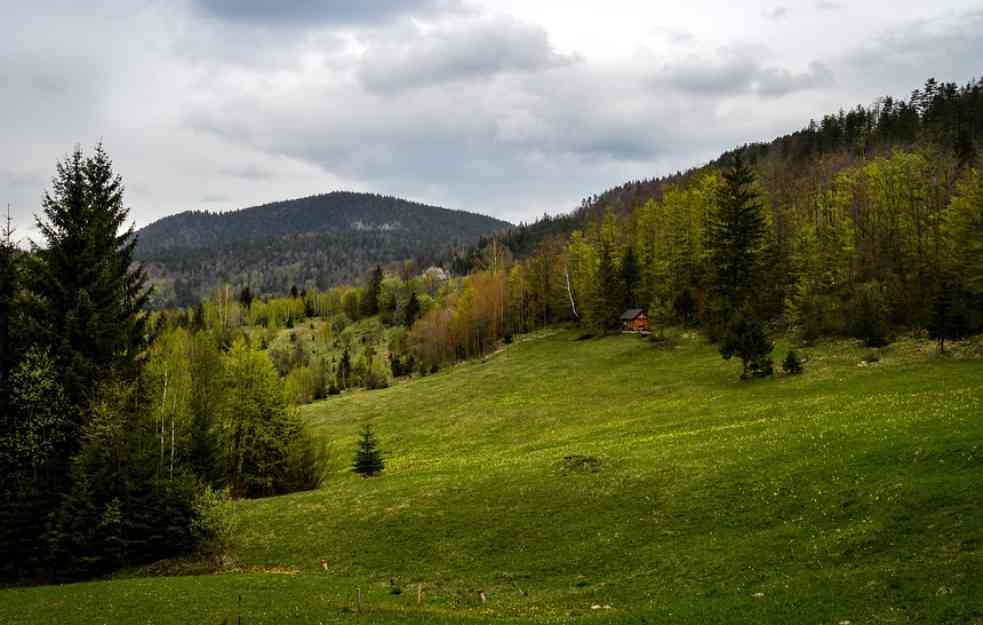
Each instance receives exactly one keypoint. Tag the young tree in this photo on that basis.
(746, 339)
(90, 289)
(368, 459)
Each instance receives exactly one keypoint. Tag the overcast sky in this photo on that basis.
(511, 108)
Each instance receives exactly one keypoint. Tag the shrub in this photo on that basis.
(792, 363)
(368, 459)
(872, 357)
(333, 389)
(215, 521)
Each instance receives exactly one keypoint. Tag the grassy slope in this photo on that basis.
(847, 494)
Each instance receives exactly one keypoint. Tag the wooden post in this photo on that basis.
(239, 612)
(484, 598)
(358, 600)
(419, 594)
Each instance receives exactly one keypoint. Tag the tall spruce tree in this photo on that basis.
(90, 291)
(631, 276)
(9, 284)
(609, 296)
(412, 310)
(736, 230)
(368, 459)
(370, 300)
(746, 338)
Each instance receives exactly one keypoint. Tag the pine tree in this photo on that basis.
(736, 230)
(90, 291)
(631, 277)
(368, 459)
(746, 339)
(950, 315)
(609, 296)
(412, 311)
(370, 299)
(9, 285)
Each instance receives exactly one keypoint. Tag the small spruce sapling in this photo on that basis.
(746, 338)
(368, 459)
(792, 363)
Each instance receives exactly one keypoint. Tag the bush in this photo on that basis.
(214, 522)
(333, 389)
(792, 363)
(872, 357)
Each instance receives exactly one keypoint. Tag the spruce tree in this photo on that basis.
(736, 230)
(608, 298)
(746, 338)
(950, 315)
(368, 459)
(631, 277)
(90, 291)
(370, 300)
(9, 285)
(412, 311)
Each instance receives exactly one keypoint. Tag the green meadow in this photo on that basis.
(611, 481)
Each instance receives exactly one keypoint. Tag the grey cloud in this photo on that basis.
(320, 12)
(774, 82)
(477, 50)
(728, 75)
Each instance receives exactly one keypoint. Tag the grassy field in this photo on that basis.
(607, 481)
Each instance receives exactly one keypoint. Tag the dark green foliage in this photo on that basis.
(370, 296)
(631, 276)
(9, 288)
(245, 297)
(118, 510)
(368, 459)
(412, 311)
(792, 363)
(746, 338)
(90, 293)
(609, 297)
(344, 377)
(869, 316)
(736, 231)
(951, 315)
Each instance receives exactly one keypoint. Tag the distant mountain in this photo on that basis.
(322, 241)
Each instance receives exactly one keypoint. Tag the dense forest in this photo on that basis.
(319, 241)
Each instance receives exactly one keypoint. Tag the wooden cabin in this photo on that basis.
(634, 320)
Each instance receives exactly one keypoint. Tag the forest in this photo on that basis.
(124, 426)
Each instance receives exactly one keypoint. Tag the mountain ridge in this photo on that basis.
(321, 241)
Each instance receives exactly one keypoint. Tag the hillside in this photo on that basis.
(322, 240)
(942, 116)
(557, 475)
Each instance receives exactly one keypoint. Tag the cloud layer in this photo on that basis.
(217, 105)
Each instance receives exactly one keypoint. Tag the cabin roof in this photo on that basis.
(631, 314)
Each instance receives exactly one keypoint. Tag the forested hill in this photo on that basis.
(322, 240)
(941, 116)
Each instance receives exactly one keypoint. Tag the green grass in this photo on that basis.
(850, 493)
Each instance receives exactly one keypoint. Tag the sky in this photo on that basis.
(508, 108)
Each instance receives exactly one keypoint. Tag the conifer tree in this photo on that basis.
(368, 459)
(90, 291)
(736, 230)
(412, 311)
(370, 299)
(9, 284)
(609, 296)
(746, 339)
(631, 277)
